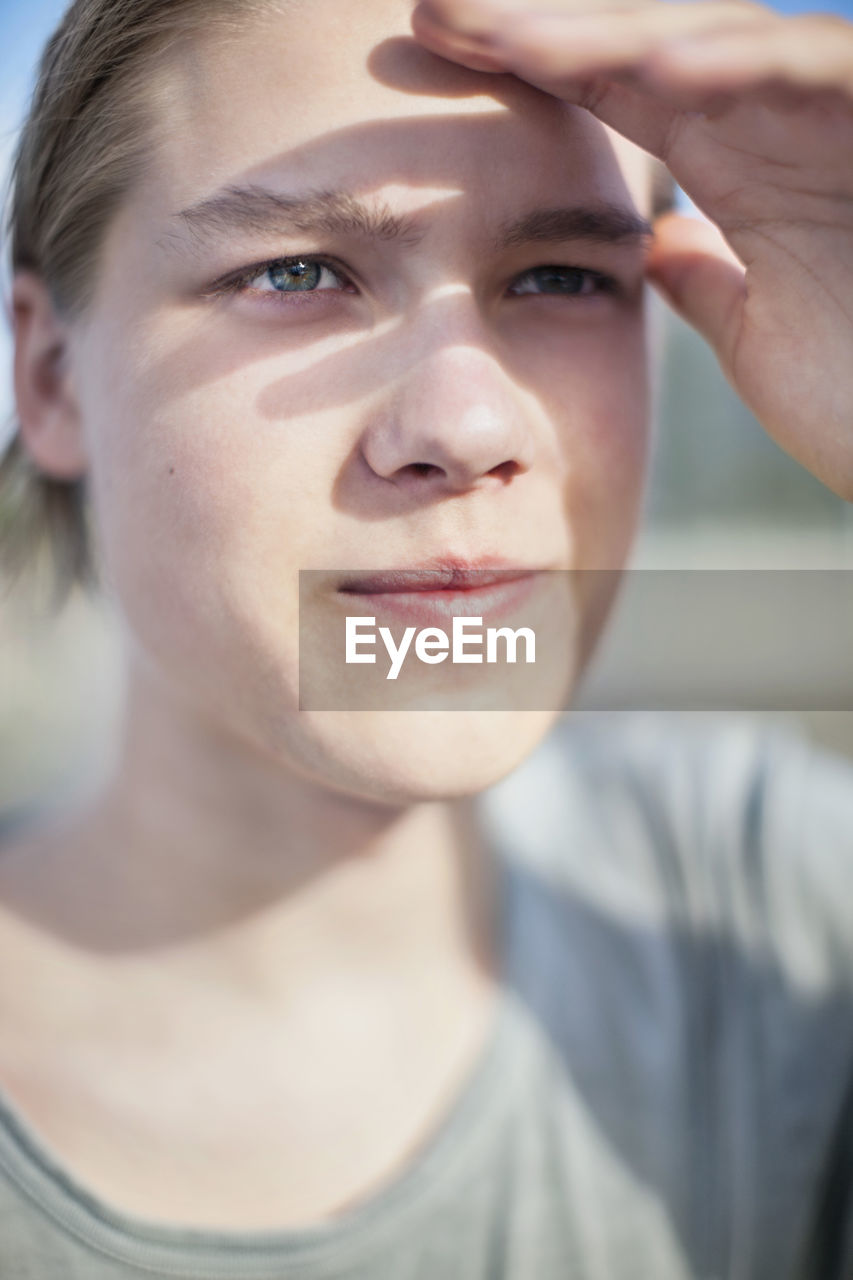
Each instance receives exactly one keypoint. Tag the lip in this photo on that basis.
(435, 593)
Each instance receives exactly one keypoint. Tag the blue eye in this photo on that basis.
(303, 275)
(563, 281)
(285, 275)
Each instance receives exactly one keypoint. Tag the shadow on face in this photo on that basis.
(469, 383)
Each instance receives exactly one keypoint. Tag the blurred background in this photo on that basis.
(721, 495)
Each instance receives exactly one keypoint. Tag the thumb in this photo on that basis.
(700, 276)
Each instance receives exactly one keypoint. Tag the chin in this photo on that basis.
(406, 757)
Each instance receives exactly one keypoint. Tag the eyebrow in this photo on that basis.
(600, 223)
(257, 209)
(260, 210)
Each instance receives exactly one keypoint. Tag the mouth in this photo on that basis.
(441, 590)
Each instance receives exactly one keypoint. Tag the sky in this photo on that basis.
(26, 25)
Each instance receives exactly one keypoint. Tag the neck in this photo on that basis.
(199, 859)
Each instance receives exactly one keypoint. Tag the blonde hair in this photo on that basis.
(83, 145)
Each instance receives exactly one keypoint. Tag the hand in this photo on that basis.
(753, 115)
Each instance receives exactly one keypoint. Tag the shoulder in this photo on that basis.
(726, 824)
(686, 937)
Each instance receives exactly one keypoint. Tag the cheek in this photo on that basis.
(603, 416)
(594, 386)
(186, 459)
(205, 510)
(612, 441)
(203, 438)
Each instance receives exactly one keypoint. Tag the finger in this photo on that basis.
(642, 118)
(701, 277)
(701, 46)
(469, 50)
(814, 53)
(620, 30)
(469, 18)
(581, 60)
(618, 37)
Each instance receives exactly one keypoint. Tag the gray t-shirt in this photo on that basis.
(668, 1089)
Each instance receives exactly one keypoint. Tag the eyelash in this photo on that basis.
(239, 281)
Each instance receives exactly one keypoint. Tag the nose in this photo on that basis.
(454, 421)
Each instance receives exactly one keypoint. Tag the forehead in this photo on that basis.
(319, 94)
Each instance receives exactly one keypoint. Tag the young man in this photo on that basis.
(363, 308)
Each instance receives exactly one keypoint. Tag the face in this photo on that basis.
(421, 388)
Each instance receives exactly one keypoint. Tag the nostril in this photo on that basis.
(505, 470)
(423, 468)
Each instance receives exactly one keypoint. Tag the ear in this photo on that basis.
(50, 426)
